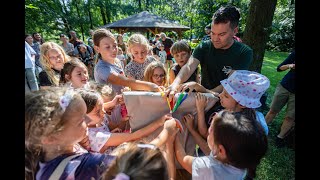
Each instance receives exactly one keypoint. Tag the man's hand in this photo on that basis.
(171, 91)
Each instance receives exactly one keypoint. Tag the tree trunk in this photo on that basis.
(89, 13)
(103, 16)
(140, 8)
(258, 29)
(79, 16)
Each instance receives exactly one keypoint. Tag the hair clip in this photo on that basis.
(121, 176)
(150, 146)
(66, 98)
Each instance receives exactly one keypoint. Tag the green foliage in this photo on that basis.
(279, 163)
(282, 37)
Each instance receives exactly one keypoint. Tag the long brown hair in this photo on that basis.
(138, 161)
(43, 116)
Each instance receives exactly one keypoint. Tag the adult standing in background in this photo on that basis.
(207, 30)
(68, 47)
(31, 83)
(284, 95)
(167, 42)
(37, 38)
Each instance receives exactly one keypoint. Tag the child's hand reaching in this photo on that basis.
(116, 130)
(189, 121)
(164, 118)
(171, 126)
(201, 101)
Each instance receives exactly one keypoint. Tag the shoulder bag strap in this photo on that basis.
(59, 169)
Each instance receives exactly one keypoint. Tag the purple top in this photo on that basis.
(85, 166)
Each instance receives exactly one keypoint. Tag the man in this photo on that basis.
(207, 30)
(167, 42)
(218, 57)
(31, 83)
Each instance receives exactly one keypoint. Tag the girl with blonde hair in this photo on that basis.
(52, 59)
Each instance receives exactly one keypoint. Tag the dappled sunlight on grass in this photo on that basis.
(279, 163)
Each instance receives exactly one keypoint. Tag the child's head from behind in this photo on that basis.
(94, 102)
(155, 72)
(54, 118)
(243, 88)
(138, 47)
(105, 43)
(75, 72)
(237, 140)
(181, 51)
(137, 161)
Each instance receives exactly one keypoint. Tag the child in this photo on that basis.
(181, 52)
(138, 47)
(237, 144)
(242, 91)
(121, 57)
(100, 137)
(162, 54)
(52, 59)
(137, 161)
(75, 73)
(153, 163)
(86, 57)
(108, 70)
(54, 124)
(156, 73)
(116, 112)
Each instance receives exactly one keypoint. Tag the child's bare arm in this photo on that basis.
(201, 102)
(118, 138)
(184, 159)
(167, 134)
(189, 121)
(132, 83)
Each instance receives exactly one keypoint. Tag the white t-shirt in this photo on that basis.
(208, 167)
(163, 56)
(98, 137)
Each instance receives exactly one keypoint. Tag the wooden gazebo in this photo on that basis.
(146, 21)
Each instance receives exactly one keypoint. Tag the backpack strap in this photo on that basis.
(60, 168)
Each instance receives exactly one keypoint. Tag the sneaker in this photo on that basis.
(280, 142)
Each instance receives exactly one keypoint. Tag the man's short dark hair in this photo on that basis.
(225, 14)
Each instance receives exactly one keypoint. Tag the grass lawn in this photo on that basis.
(279, 163)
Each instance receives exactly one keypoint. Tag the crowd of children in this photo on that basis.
(76, 125)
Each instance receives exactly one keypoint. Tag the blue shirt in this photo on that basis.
(85, 166)
(102, 71)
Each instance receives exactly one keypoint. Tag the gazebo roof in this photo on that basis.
(146, 21)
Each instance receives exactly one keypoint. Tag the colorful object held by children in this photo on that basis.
(180, 99)
(179, 125)
(170, 104)
(124, 111)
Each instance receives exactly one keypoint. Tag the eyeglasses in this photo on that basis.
(54, 58)
(156, 76)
